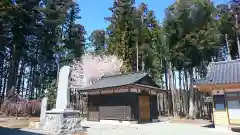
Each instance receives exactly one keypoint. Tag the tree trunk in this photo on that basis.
(4, 85)
(176, 92)
(20, 77)
(180, 93)
(1, 79)
(186, 95)
(168, 95)
(22, 85)
(171, 84)
(192, 105)
(27, 89)
(14, 64)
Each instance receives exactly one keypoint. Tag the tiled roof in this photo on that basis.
(117, 80)
(222, 73)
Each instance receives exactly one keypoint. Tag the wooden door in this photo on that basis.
(93, 113)
(93, 116)
(144, 109)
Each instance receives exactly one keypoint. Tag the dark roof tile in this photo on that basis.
(117, 80)
(222, 73)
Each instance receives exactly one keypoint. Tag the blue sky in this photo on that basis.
(94, 11)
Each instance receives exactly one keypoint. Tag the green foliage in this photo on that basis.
(191, 32)
(98, 41)
(131, 28)
(37, 36)
(120, 32)
(227, 25)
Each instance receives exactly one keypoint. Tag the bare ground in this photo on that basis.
(11, 126)
(20, 122)
(190, 121)
(20, 126)
(158, 128)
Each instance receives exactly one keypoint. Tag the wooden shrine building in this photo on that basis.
(127, 97)
(223, 82)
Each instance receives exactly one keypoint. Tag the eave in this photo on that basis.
(211, 87)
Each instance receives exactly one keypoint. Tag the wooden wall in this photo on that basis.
(121, 106)
(153, 107)
(93, 109)
(115, 113)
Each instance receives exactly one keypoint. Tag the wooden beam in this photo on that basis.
(140, 86)
(134, 88)
(147, 86)
(211, 87)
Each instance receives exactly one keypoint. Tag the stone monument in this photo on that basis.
(43, 111)
(63, 95)
(63, 120)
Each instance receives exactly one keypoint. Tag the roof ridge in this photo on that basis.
(122, 74)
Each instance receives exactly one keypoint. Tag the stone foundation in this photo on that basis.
(62, 122)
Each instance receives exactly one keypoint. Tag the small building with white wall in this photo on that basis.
(223, 83)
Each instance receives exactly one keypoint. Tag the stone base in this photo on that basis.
(62, 122)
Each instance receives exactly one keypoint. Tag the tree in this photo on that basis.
(120, 32)
(98, 41)
(34, 35)
(38, 37)
(132, 36)
(192, 35)
(147, 31)
(92, 68)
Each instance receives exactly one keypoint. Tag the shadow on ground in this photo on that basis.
(142, 123)
(209, 126)
(15, 131)
(213, 126)
(236, 130)
(85, 128)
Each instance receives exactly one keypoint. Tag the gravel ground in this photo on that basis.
(153, 129)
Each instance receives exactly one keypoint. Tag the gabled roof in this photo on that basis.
(226, 72)
(119, 80)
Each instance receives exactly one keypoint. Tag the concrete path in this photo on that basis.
(153, 129)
